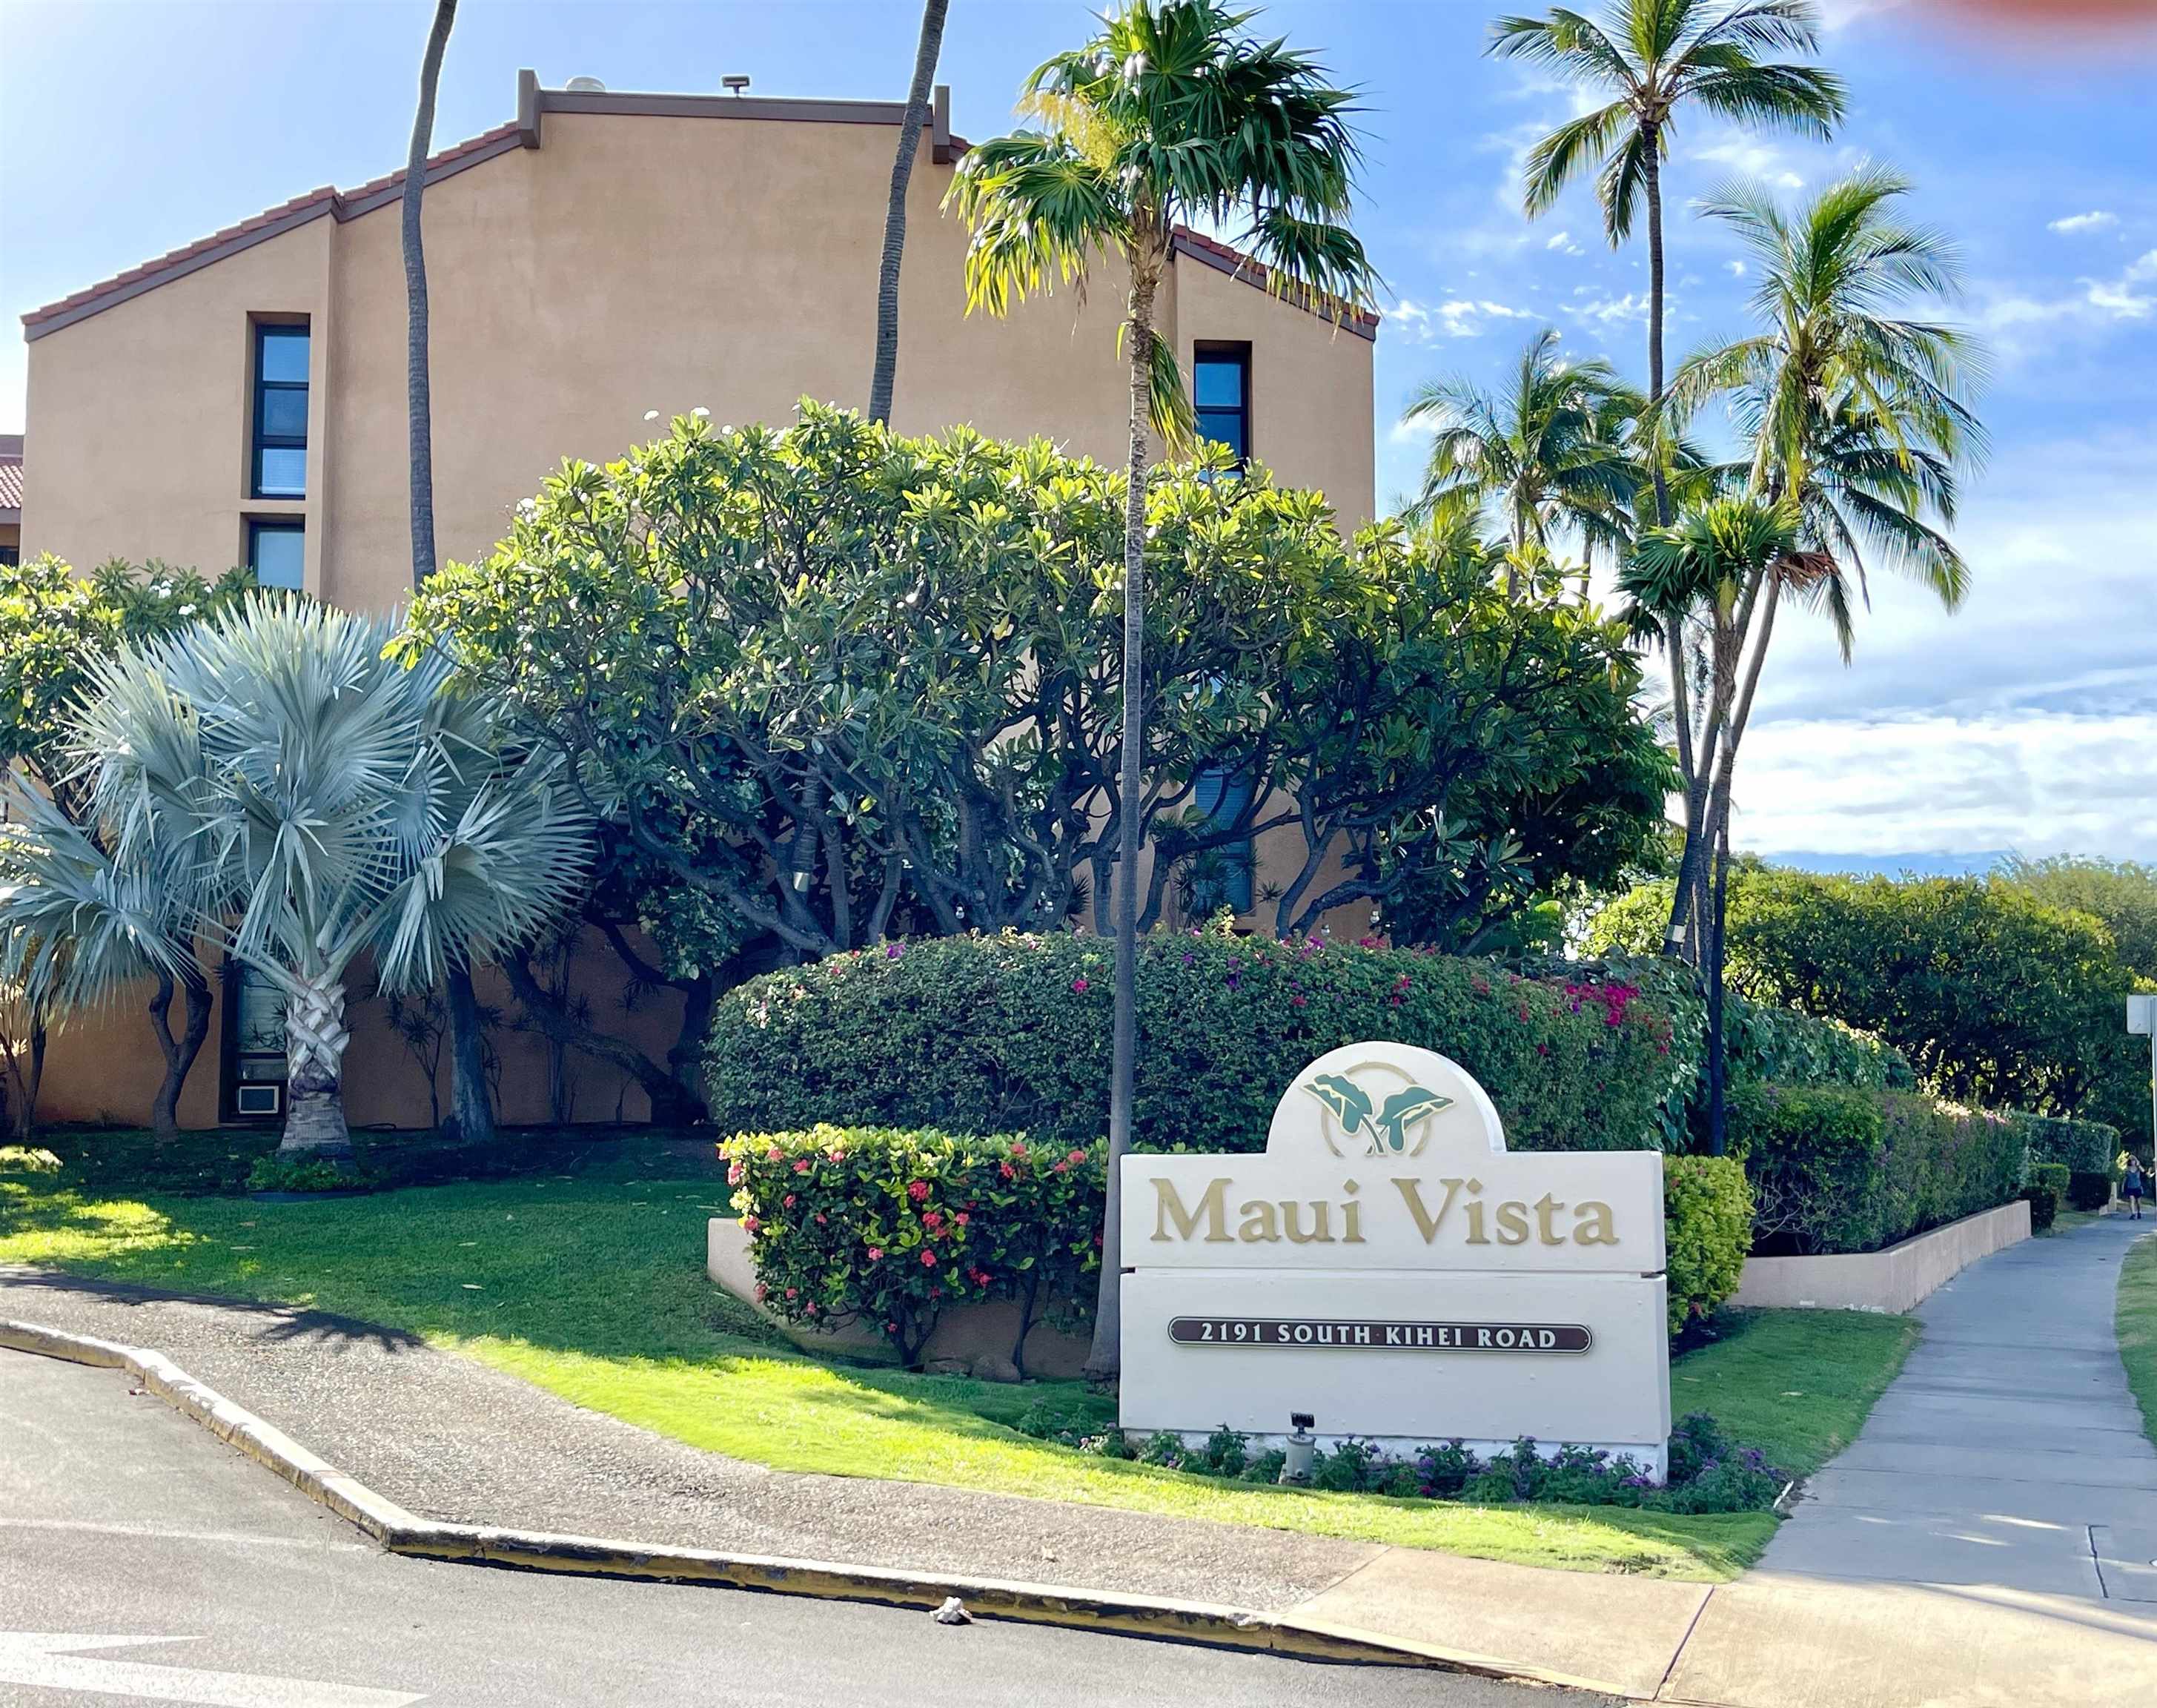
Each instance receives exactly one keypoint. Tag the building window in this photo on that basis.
(10, 555)
(280, 412)
(254, 1046)
(1220, 877)
(1221, 388)
(276, 552)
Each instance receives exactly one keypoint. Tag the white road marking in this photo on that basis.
(157, 1534)
(52, 1659)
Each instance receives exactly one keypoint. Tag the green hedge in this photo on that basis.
(2047, 1188)
(890, 1229)
(1838, 1170)
(1011, 1033)
(1707, 1227)
(2083, 1147)
(1759, 1041)
(2089, 1189)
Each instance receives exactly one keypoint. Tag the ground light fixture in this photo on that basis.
(1302, 1448)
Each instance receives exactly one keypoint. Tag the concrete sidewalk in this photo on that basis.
(1946, 1594)
(2009, 1454)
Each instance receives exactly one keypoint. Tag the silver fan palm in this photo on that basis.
(271, 781)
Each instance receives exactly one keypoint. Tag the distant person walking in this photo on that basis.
(2131, 1187)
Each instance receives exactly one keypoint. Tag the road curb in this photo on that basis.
(402, 1532)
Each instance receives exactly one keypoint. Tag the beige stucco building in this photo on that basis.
(601, 256)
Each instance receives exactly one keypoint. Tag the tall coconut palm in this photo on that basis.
(302, 800)
(1171, 113)
(1552, 453)
(471, 1106)
(885, 373)
(1654, 59)
(1859, 418)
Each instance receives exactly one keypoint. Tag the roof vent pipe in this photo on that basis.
(586, 86)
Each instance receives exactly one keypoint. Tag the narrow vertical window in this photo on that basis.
(276, 552)
(280, 412)
(1221, 393)
(1221, 876)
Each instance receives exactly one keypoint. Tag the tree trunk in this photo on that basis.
(315, 1037)
(471, 1110)
(1104, 1359)
(180, 1053)
(886, 372)
(1712, 961)
(418, 394)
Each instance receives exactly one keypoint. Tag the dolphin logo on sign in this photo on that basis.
(1352, 1109)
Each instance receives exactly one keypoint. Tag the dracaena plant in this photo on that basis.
(270, 782)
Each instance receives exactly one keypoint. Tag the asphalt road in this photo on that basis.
(120, 1519)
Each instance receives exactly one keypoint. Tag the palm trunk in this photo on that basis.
(180, 1053)
(1718, 1067)
(471, 1111)
(886, 373)
(1106, 1358)
(419, 403)
(315, 1037)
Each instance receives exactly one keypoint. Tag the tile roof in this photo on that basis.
(11, 485)
(344, 205)
(1363, 322)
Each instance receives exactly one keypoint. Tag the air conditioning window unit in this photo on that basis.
(259, 1098)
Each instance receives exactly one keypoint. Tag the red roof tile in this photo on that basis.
(11, 485)
(1253, 271)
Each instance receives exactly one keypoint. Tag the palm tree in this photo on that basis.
(1652, 58)
(885, 372)
(473, 1110)
(299, 800)
(1171, 113)
(1553, 452)
(1859, 418)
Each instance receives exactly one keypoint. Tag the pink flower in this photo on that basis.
(961, 1218)
(793, 1291)
(762, 1292)
(933, 1220)
(917, 1189)
(876, 1254)
(801, 1165)
(821, 1218)
(894, 951)
(790, 1200)
(808, 1309)
(1076, 1155)
(928, 1260)
(772, 1155)
(1006, 1170)
(736, 1174)
(750, 1224)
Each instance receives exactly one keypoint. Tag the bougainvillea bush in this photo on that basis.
(1011, 1033)
(890, 1228)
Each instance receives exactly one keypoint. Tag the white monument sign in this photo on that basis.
(1387, 1267)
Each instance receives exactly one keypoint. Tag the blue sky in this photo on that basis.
(2028, 720)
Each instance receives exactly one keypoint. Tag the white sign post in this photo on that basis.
(2141, 1022)
(1388, 1267)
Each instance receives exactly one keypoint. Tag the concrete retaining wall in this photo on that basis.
(1893, 1280)
(962, 1335)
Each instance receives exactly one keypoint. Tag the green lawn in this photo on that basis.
(590, 1284)
(2136, 1322)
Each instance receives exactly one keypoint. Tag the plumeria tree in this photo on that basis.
(1173, 112)
(302, 800)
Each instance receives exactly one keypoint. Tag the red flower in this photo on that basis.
(772, 1155)
(790, 1200)
(1006, 1170)
(876, 1254)
(928, 1260)
(810, 1308)
(917, 1189)
(793, 1291)
(750, 1224)
(736, 1174)
(961, 1218)
(932, 1220)
(1076, 1155)
(801, 1165)
(1079, 985)
(821, 1218)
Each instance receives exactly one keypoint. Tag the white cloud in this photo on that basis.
(1457, 317)
(2095, 220)
(2100, 301)
(1633, 306)
(1564, 245)
(1756, 159)
(1737, 269)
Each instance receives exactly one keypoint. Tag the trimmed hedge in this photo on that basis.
(891, 1228)
(2083, 1147)
(2047, 1187)
(1759, 1043)
(1707, 1227)
(1839, 1169)
(2089, 1189)
(1011, 1033)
